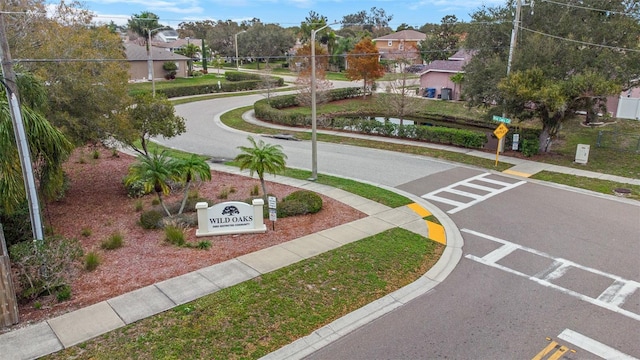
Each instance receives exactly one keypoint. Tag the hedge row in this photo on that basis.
(238, 82)
(436, 134)
(269, 109)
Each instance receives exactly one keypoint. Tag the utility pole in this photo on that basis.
(514, 34)
(18, 129)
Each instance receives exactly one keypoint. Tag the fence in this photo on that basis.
(618, 141)
(8, 303)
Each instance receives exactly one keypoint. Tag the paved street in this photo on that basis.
(540, 261)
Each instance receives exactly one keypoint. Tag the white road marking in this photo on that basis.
(459, 205)
(611, 299)
(593, 346)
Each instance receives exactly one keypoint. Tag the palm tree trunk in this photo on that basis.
(184, 197)
(264, 189)
(163, 205)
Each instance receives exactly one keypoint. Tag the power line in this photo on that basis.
(580, 42)
(588, 8)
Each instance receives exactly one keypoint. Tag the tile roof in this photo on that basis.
(410, 35)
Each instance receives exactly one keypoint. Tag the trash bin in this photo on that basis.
(430, 92)
(446, 93)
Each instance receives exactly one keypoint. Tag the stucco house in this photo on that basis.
(138, 66)
(435, 79)
(400, 45)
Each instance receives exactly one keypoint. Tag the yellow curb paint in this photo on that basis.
(517, 173)
(545, 351)
(419, 210)
(436, 232)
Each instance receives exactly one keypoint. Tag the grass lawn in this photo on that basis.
(256, 317)
(211, 78)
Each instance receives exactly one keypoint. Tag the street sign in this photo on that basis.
(273, 215)
(501, 131)
(501, 119)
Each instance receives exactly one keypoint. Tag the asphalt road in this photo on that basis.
(539, 261)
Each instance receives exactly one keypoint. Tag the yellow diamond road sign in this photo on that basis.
(501, 131)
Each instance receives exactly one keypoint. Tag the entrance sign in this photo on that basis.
(232, 217)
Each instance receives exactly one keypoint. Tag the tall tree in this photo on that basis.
(397, 101)
(364, 64)
(261, 158)
(375, 22)
(266, 42)
(302, 60)
(443, 43)
(149, 117)
(313, 21)
(190, 51)
(560, 42)
(84, 68)
(530, 94)
(142, 24)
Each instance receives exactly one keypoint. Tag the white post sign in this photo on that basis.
(273, 214)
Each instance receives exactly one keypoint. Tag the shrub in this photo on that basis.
(114, 241)
(95, 154)
(299, 203)
(151, 219)
(530, 147)
(139, 205)
(86, 232)
(255, 191)
(204, 245)
(134, 189)
(44, 266)
(63, 293)
(174, 235)
(91, 261)
(223, 194)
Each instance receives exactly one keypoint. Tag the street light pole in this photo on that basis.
(314, 140)
(11, 89)
(150, 60)
(236, 44)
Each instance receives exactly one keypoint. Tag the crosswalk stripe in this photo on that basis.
(459, 205)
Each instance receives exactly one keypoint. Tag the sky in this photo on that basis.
(286, 13)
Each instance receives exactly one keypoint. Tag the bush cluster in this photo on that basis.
(44, 267)
(151, 219)
(269, 110)
(299, 203)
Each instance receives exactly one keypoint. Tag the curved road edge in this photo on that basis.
(340, 327)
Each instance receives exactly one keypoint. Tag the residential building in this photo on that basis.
(400, 45)
(138, 62)
(435, 79)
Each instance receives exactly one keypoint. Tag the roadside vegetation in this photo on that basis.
(256, 317)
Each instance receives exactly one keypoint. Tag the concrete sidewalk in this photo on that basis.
(84, 324)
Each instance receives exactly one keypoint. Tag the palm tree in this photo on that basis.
(48, 146)
(260, 158)
(193, 167)
(155, 172)
(190, 51)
